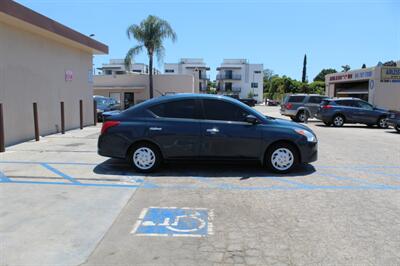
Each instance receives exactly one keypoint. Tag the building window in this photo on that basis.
(108, 72)
(254, 85)
(169, 71)
(257, 72)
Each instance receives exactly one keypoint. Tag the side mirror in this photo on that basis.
(251, 119)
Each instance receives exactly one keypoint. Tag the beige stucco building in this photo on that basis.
(131, 89)
(378, 85)
(45, 62)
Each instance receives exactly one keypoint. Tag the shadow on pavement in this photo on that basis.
(200, 169)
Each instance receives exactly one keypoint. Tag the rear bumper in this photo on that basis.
(111, 145)
(287, 112)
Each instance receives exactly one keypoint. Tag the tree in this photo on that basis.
(345, 68)
(321, 75)
(304, 75)
(150, 34)
(363, 66)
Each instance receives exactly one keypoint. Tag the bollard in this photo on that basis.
(95, 112)
(36, 121)
(2, 138)
(62, 118)
(81, 113)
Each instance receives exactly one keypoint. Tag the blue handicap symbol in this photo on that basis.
(174, 222)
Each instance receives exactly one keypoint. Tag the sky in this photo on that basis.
(275, 33)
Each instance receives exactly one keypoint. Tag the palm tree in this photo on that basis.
(150, 34)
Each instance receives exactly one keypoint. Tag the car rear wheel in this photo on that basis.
(338, 120)
(382, 122)
(302, 116)
(145, 157)
(282, 158)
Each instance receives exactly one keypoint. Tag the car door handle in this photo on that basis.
(213, 130)
(155, 128)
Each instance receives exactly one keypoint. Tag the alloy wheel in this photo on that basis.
(282, 159)
(144, 158)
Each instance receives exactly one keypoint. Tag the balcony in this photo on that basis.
(229, 76)
(233, 89)
(204, 76)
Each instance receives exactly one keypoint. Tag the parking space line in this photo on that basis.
(59, 173)
(3, 177)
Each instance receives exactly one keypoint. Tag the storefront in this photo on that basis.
(379, 85)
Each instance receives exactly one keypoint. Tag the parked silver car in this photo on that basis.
(300, 107)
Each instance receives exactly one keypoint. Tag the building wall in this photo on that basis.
(32, 69)
(139, 84)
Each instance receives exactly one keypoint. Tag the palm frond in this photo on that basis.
(131, 53)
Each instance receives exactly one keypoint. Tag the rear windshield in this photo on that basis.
(296, 99)
(325, 102)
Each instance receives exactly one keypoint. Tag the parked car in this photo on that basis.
(249, 101)
(204, 127)
(339, 111)
(299, 107)
(270, 102)
(105, 104)
(394, 120)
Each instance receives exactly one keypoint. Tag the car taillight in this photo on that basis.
(289, 106)
(327, 106)
(108, 124)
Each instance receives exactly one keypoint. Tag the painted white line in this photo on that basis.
(135, 228)
(142, 213)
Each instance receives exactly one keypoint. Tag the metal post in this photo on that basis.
(2, 141)
(62, 118)
(36, 121)
(95, 112)
(81, 113)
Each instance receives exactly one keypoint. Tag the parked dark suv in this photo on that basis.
(351, 110)
(299, 107)
(204, 127)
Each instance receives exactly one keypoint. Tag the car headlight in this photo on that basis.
(310, 136)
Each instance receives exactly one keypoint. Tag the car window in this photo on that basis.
(296, 99)
(315, 99)
(348, 103)
(364, 105)
(225, 111)
(176, 109)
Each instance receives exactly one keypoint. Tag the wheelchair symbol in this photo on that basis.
(174, 221)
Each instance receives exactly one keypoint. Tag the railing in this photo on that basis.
(229, 76)
(233, 89)
(204, 76)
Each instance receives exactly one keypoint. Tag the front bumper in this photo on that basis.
(308, 152)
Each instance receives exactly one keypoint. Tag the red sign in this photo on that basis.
(341, 77)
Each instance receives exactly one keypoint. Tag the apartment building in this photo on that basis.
(239, 77)
(190, 66)
(117, 67)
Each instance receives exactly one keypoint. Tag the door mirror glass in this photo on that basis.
(251, 119)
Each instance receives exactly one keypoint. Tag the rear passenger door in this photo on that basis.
(225, 134)
(349, 109)
(176, 128)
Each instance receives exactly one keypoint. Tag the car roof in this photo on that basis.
(179, 96)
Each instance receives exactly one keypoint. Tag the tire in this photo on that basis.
(301, 116)
(145, 157)
(282, 158)
(382, 122)
(338, 121)
(397, 127)
(328, 124)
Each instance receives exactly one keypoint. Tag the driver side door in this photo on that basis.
(225, 134)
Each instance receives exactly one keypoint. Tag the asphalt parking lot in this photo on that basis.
(62, 204)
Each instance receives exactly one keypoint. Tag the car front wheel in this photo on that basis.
(382, 122)
(145, 157)
(281, 158)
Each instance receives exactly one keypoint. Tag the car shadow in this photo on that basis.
(200, 169)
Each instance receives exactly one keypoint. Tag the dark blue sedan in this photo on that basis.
(351, 110)
(204, 127)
